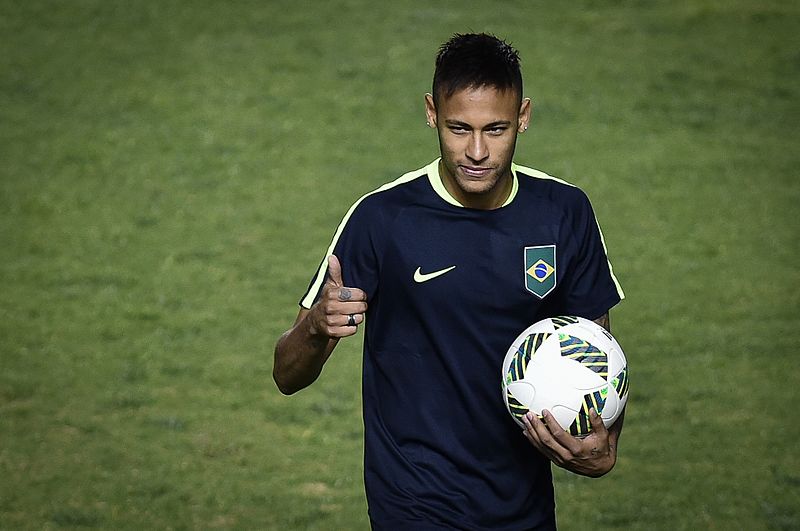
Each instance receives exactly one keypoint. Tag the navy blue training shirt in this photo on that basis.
(449, 288)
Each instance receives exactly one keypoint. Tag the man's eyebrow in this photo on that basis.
(498, 123)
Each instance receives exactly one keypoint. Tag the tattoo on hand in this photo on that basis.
(345, 294)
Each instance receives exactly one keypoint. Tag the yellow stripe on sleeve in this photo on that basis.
(316, 286)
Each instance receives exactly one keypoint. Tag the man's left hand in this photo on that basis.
(593, 455)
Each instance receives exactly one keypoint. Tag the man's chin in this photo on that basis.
(474, 186)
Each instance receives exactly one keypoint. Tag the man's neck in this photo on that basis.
(490, 200)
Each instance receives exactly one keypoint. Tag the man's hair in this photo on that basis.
(475, 60)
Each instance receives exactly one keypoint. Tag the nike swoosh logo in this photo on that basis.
(420, 277)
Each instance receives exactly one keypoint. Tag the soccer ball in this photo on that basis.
(566, 365)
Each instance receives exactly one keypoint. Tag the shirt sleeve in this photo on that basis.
(354, 244)
(589, 287)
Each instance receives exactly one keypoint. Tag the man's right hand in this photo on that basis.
(302, 350)
(340, 309)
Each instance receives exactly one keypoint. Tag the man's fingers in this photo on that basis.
(344, 314)
(536, 429)
(335, 271)
(597, 422)
(560, 435)
(588, 456)
(335, 308)
(341, 308)
(349, 308)
(353, 319)
(344, 320)
(341, 325)
(347, 296)
(347, 325)
(338, 290)
(546, 435)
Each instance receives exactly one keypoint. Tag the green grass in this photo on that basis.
(172, 173)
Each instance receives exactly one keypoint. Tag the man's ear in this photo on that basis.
(430, 110)
(525, 111)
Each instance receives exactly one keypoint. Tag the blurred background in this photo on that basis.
(171, 174)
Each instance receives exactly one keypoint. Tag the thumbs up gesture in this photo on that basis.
(340, 309)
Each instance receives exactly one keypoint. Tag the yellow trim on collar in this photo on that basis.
(436, 182)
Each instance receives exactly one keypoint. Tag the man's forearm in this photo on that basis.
(299, 357)
(301, 352)
(604, 321)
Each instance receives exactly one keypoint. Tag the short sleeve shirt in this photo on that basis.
(449, 288)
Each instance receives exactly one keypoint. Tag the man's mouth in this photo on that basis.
(475, 171)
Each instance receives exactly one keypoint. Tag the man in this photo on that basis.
(435, 265)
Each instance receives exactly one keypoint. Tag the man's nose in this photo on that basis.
(477, 149)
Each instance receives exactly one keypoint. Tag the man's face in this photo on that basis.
(477, 134)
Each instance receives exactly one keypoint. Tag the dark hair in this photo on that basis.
(476, 60)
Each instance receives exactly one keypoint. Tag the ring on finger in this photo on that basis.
(351, 320)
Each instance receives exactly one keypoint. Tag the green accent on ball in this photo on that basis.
(621, 382)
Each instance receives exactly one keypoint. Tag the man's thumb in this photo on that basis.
(335, 271)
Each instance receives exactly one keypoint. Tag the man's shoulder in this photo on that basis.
(536, 183)
(397, 191)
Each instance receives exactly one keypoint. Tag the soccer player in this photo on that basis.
(444, 267)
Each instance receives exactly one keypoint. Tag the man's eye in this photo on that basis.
(497, 130)
(458, 130)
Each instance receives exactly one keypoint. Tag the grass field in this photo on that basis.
(171, 173)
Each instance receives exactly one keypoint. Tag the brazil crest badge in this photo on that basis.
(540, 269)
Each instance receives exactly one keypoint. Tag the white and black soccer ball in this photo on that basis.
(566, 365)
